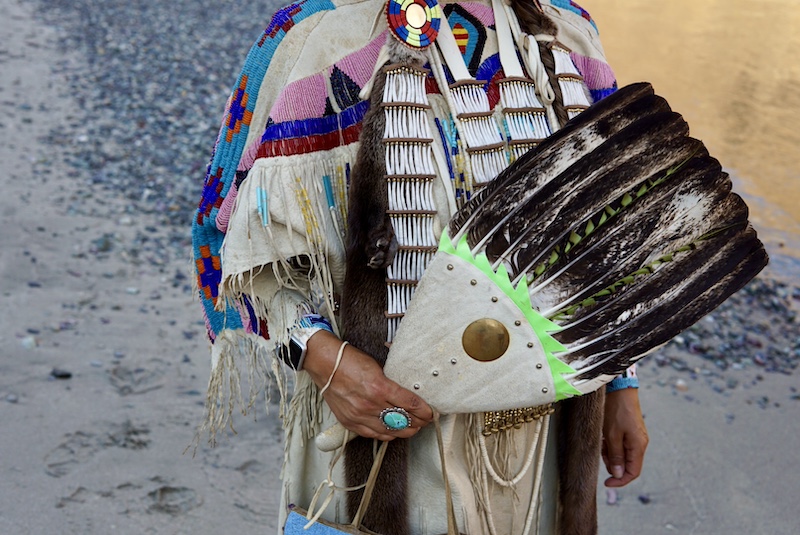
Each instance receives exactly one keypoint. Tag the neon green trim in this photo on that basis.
(519, 295)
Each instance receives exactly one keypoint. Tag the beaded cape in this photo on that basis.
(317, 113)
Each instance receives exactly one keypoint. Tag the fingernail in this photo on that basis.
(617, 471)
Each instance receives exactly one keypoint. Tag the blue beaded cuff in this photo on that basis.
(621, 383)
(309, 321)
(307, 326)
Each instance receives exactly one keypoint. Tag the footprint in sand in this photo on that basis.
(173, 500)
(134, 381)
(79, 447)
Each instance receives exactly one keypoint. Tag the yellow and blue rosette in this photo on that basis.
(414, 23)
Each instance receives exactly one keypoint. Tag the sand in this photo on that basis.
(101, 451)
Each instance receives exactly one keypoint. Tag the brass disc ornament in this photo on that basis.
(485, 340)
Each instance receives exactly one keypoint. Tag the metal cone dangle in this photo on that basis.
(414, 22)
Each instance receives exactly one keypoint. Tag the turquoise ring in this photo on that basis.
(395, 419)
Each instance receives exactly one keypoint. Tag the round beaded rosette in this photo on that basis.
(414, 22)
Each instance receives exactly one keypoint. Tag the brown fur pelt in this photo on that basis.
(580, 430)
(371, 246)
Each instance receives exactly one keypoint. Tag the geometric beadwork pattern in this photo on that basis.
(206, 237)
(470, 35)
(415, 23)
(238, 114)
(282, 20)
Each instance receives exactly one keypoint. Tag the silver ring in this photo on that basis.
(395, 418)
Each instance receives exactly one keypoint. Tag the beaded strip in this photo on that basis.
(485, 144)
(410, 172)
(570, 80)
(524, 115)
(497, 421)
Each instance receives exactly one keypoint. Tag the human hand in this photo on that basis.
(359, 390)
(624, 437)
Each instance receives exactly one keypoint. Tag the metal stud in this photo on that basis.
(417, 386)
(545, 390)
(517, 323)
(530, 344)
(436, 373)
(494, 300)
(539, 366)
(473, 282)
(449, 267)
(453, 361)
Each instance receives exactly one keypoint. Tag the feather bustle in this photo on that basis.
(579, 137)
(645, 231)
(545, 216)
(643, 308)
(700, 297)
(623, 226)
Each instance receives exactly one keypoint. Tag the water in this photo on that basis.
(730, 67)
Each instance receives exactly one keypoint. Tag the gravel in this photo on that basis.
(757, 330)
(150, 79)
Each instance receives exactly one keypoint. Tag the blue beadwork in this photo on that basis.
(621, 383)
(316, 126)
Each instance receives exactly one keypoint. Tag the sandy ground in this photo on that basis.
(100, 450)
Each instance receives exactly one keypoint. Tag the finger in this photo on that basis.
(634, 460)
(414, 405)
(370, 432)
(615, 455)
(634, 457)
(604, 455)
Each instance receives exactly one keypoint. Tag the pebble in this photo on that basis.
(96, 364)
(611, 497)
(103, 244)
(681, 385)
(132, 290)
(119, 354)
(12, 398)
(29, 342)
(756, 326)
(59, 373)
(644, 498)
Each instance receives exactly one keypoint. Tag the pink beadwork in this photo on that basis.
(596, 74)
(359, 65)
(302, 99)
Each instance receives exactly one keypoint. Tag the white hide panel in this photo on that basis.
(428, 357)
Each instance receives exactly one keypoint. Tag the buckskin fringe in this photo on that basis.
(232, 351)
